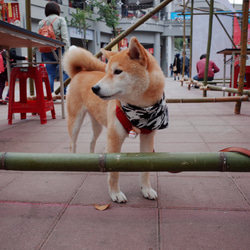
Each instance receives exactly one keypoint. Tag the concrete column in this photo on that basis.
(164, 56)
(94, 46)
(170, 51)
(169, 10)
(157, 47)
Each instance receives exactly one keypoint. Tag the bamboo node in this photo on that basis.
(3, 161)
(223, 162)
(241, 99)
(102, 162)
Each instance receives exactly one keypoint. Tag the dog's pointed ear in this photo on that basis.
(137, 52)
(108, 53)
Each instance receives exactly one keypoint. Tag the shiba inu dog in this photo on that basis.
(129, 87)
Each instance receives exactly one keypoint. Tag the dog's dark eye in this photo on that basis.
(117, 72)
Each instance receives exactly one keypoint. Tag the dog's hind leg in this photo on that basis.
(97, 129)
(147, 146)
(74, 125)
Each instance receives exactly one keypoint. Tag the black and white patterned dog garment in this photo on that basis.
(151, 118)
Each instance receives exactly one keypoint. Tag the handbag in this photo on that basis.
(175, 68)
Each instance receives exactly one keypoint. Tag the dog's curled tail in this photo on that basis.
(77, 59)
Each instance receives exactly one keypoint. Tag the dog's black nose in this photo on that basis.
(96, 89)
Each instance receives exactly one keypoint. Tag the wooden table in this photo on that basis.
(230, 52)
(12, 36)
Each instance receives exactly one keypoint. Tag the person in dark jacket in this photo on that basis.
(186, 67)
(177, 66)
(3, 75)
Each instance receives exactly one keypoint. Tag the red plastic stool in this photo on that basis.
(23, 106)
(236, 74)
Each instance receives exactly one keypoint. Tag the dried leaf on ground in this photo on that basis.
(102, 207)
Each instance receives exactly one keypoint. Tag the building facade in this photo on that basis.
(157, 34)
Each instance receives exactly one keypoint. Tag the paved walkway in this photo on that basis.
(195, 210)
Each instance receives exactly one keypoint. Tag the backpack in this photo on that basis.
(47, 31)
(2, 66)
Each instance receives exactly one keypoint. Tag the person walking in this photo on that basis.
(177, 66)
(52, 13)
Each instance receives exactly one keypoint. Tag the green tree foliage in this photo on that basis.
(80, 19)
(108, 13)
(178, 43)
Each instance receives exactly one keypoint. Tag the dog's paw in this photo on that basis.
(118, 197)
(149, 193)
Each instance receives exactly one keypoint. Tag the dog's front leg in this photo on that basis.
(147, 146)
(116, 138)
(115, 193)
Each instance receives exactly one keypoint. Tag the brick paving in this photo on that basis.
(195, 210)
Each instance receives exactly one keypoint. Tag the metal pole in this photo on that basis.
(126, 162)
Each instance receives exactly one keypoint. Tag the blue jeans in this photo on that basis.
(202, 79)
(52, 68)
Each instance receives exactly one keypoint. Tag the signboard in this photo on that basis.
(77, 33)
(10, 12)
(176, 16)
(123, 44)
(14, 14)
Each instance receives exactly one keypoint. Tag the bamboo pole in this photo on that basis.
(244, 31)
(184, 41)
(208, 99)
(135, 25)
(184, 49)
(191, 40)
(210, 27)
(216, 15)
(126, 162)
(230, 90)
(126, 32)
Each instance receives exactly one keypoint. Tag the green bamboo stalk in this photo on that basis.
(126, 162)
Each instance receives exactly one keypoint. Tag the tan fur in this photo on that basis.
(132, 76)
